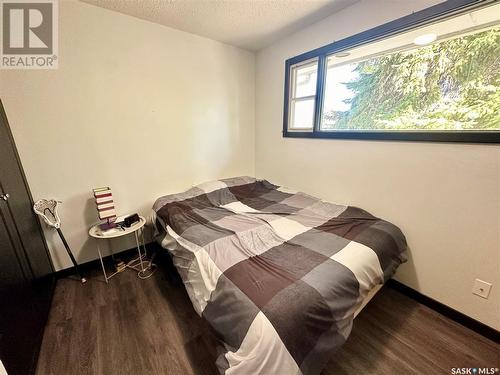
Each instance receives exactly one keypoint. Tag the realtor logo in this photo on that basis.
(29, 34)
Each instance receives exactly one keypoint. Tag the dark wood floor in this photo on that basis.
(134, 326)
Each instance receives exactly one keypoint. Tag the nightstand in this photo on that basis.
(137, 264)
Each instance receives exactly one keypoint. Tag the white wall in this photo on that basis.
(445, 197)
(143, 108)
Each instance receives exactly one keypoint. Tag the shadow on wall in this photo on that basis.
(88, 249)
(408, 270)
(69, 220)
(78, 213)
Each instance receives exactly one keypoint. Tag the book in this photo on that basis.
(104, 202)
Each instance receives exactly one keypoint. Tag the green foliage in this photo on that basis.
(451, 85)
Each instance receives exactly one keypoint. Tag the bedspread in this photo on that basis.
(278, 274)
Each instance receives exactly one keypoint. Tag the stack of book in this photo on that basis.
(105, 207)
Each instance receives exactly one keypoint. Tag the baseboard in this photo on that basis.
(85, 267)
(447, 311)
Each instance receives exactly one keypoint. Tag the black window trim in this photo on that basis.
(423, 17)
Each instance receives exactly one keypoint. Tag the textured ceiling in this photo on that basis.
(250, 24)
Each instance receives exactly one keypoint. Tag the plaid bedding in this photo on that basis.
(278, 274)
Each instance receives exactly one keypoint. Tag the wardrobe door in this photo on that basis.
(20, 322)
(20, 202)
(26, 273)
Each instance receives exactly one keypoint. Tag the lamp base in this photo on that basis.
(107, 226)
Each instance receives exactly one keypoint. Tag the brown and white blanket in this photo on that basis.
(278, 274)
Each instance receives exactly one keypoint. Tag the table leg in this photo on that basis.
(102, 263)
(110, 248)
(143, 242)
(139, 250)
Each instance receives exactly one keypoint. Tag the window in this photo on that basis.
(431, 76)
(303, 96)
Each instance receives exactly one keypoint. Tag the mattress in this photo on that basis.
(278, 274)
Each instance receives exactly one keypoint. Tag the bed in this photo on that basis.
(278, 274)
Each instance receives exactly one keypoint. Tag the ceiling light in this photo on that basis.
(424, 39)
(342, 54)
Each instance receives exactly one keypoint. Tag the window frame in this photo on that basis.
(426, 16)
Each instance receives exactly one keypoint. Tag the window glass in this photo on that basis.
(305, 79)
(302, 114)
(453, 84)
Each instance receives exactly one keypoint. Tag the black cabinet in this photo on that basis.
(26, 272)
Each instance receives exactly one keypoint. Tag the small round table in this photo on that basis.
(98, 234)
